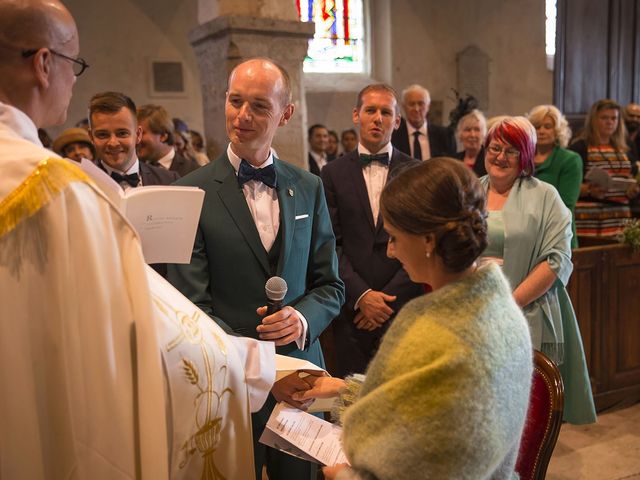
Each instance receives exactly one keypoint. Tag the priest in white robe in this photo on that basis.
(104, 372)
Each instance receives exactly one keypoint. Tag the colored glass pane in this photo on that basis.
(338, 43)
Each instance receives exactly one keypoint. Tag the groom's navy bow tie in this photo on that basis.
(132, 179)
(383, 158)
(266, 175)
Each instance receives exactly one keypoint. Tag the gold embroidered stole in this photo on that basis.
(40, 188)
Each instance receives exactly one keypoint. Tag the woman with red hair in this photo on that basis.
(530, 236)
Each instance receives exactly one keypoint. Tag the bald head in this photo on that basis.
(31, 24)
(265, 66)
(40, 83)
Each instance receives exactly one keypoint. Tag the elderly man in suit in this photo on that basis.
(415, 136)
(263, 217)
(376, 286)
(156, 146)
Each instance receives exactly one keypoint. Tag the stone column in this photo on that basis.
(224, 42)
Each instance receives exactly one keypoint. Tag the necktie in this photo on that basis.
(266, 175)
(383, 158)
(417, 149)
(132, 179)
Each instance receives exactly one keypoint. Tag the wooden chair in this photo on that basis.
(544, 419)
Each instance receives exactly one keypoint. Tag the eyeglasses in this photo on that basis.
(79, 64)
(510, 153)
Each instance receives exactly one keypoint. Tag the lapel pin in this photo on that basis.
(290, 192)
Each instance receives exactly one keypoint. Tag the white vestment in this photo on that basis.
(80, 370)
(210, 405)
(82, 393)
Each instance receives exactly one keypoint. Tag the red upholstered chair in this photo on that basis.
(544, 419)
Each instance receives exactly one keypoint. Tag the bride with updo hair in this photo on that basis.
(447, 393)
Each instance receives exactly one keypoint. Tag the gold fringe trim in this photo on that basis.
(50, 177)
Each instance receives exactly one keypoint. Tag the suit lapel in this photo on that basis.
(145, 174)
(233, 199)
(394, 162)
(357, 180)
(286, 190)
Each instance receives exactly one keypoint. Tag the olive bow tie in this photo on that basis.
(383, 158)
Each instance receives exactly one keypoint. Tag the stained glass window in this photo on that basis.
(338, 44)
(551, 13)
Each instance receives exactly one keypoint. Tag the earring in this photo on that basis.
(428, 254)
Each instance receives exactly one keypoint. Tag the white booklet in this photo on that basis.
(304, 436)
(288, 365)
(601, 178)
(165, 216)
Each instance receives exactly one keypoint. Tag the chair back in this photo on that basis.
(544, 419)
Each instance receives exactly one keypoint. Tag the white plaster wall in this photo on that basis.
(425, 38)
(119, 37)
(511, 32)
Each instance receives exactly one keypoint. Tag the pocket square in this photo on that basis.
(300, 217)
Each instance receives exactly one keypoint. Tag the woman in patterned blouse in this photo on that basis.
(602, 211)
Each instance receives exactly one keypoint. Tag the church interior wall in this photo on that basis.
(120, 39)
(427, 36)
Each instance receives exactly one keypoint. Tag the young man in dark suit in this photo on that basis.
(376, 286)
(263, 217)
(115, 133)
(156, 144)
(415, 136)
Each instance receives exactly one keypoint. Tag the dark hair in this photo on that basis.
(314, 127)
(111, 103)
(376, 87)
(350, 130)
(158, 120)
(441, 197)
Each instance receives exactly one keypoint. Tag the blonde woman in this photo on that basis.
(555, 164)
(471, 132)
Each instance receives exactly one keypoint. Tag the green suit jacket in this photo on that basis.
(229, 266)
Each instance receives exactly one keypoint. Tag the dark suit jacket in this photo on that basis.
(313, 166)
(362, 243)
(229, 266)
(152, 175)
(478, 168)
(442, 142)
(182, 166)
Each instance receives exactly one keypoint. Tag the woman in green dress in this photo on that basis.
(530, 236)
(555, 164)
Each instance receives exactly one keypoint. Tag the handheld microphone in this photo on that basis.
(276, 289)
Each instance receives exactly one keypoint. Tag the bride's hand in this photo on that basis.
(320, 387)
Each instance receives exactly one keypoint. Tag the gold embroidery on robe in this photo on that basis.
(49, 178)
(22, 241)
(208, 400)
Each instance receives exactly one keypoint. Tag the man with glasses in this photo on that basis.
(82, 390)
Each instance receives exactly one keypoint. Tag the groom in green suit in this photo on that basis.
(263, 217)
